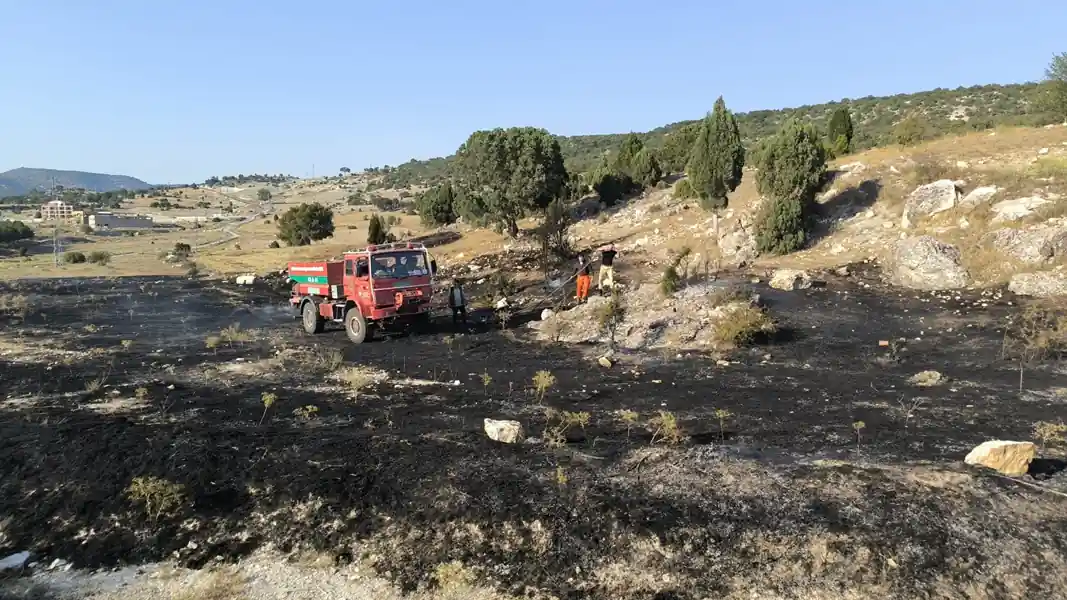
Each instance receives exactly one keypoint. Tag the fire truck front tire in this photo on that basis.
(312, 320)
(355, 326)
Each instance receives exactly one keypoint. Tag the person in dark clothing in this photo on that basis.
(606, 276)
(457, 301)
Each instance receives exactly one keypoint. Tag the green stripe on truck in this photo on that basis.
(308, 279)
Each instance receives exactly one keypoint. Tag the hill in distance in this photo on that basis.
(17, 182)
(944, 111)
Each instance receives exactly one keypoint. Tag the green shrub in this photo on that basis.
(99, 257)
(611, 185)
(792, 165)
(683, 190)
(74, 258)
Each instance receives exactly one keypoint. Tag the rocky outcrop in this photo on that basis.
(924, 263)
(1013, 210)
(790, 279)
(1009, 458)
(1039, 285)
(507, 432)
(930, 199)
(1034, 246)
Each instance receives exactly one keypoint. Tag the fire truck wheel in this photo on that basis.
(355, 326)
(313, 321)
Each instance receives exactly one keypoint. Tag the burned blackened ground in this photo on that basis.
(786, 496)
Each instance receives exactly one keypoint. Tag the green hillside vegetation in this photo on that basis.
(22, 181)
(937, 112)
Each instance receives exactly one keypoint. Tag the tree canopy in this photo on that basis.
(263, 194)
(507, 174)
(13, 231)
(436, 206)
(303, 224)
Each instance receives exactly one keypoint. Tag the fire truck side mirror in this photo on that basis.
(433, 267)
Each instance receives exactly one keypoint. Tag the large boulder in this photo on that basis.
(924, 263)
(1033, 246)
(930, 199)
(738, 245)
(1039, 285)
(507, 432)
(790, 279)
(979, 196)
(1013, 210)
(1009, 458)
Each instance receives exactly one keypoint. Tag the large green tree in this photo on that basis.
(718, 157)
(436, 206)
(303, 224)
(508, 174)
(839, 132)
(791, 165)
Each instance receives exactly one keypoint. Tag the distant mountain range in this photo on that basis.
(18, 182)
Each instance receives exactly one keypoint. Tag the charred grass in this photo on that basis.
(673, 479)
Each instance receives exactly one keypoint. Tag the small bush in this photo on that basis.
(158, 496)
(683, 190)
(357, 378)
(74, 257)
(1050, 433)
(274, 244)
(182, 250)
(742, 326)
(665, 429)
(99, 257)
(542, 382)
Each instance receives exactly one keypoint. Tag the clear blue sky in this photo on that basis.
(177, 91)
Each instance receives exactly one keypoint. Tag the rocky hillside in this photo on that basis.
(945, 111)
(982, 209)
(17, 182)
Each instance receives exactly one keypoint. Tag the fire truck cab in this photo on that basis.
(383, 286)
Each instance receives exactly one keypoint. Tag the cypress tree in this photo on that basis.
(839, 132)
(718, 157)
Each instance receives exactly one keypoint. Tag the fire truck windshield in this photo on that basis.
(397, 265)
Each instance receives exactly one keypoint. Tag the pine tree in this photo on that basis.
(718, 157)
(791, 169)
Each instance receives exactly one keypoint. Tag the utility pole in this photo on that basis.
(55, 227)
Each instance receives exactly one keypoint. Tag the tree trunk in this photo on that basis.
(512, 227)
